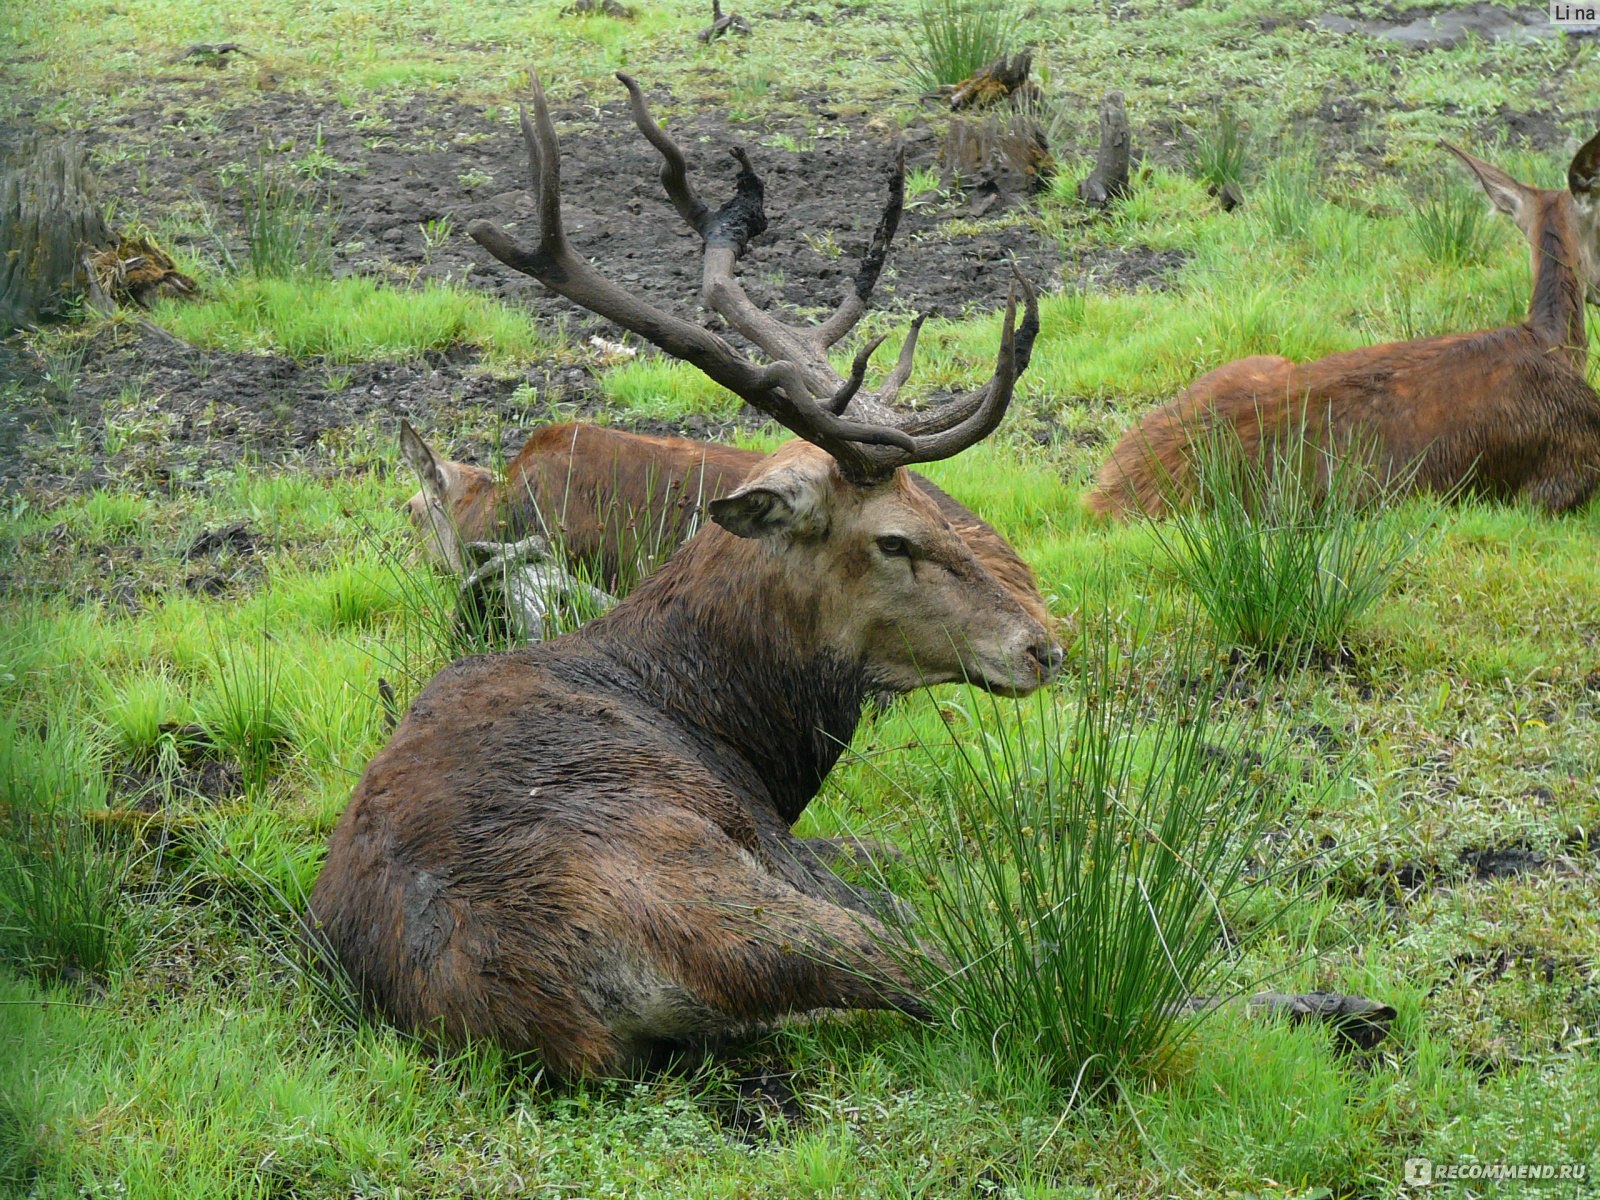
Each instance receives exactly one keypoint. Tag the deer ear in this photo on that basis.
(1583, 176)
(779, 504)
(433, 516)
(1510, 197)
(428, 466)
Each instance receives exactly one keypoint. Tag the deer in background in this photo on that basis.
(611, 502)
(583, 848)
(1505, 413)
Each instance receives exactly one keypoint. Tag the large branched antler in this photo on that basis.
(799, 388)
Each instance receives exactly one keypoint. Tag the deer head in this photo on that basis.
(905, 593)
(1572, 216)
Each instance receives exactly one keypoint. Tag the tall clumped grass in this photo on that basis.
(1451, 226)
(1288, 196)
(1286, 551)
(1080, 863)
(288, 223)
(1220, 151)
(243, 709)
(952, 39)
(65, 909)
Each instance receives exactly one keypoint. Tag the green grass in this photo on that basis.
(288, 225)
(1451, 225)
(1287, 556)
(163, 1033)
(353, 319)
(1076, 861)
(951, 40)
(1219, 151)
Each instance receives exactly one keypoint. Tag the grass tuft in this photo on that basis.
(1288, 196)
(1219, 153)
(64, 912)
(243, 710)
(1082, 862)
(1287, 551)
(953, 39)
(1450, 225)
(288, 226)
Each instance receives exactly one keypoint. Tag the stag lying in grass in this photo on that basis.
(582, 849)
(1504, 413)
(615, 504)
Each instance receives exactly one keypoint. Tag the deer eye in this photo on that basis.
(893, 546)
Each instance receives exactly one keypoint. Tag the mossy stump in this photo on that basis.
(50, 219)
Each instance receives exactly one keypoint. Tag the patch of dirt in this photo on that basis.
(1128, 268)
(192, 768)
(1447, 26)
(1499, 862)
(405, 181)
(429, 159)
(763, 1107)
(237, 538)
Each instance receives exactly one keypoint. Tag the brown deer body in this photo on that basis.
(614, 501)
(583, 848)
(1505, 413)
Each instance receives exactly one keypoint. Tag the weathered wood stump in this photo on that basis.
(1000, 80)
(1109, 179)
(720, 24)
(50, 218)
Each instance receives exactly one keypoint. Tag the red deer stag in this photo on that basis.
(615, 500)
(1504, 413)
(582, 848)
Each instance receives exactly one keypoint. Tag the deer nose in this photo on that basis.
(1049, 656)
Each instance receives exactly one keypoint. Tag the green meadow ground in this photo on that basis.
(1440, 780)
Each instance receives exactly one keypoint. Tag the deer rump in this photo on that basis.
(1504, 413)
(616, 503)
(583, 848)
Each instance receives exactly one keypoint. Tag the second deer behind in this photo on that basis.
(1505, 413)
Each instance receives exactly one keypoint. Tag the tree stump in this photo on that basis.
(1000, 80)
(1109, 179)
(732, 23)
(49, 219)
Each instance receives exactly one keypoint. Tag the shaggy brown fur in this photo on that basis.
(582, 848)
(615, 500)
(1506, 413)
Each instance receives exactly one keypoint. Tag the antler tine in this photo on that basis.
(851, 309)
(840, 400)
(725, 233)
(785, 390)
(973, 419)
(890, 389)
(544, 159)
(674, 166)
(555, 264)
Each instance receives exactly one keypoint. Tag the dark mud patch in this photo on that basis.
(224, 408)
(220, 561)
(237, 538)
(1446, 27)
(405, 178)
(187, 767)
(1501, 862)
(409, 176)
(1126, 268)
(760, 1107)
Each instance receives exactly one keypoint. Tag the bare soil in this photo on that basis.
(392, 171)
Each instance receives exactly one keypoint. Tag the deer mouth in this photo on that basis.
(1038, 666)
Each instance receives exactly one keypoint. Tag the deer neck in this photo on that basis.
(724, 643)
(1555, 313)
